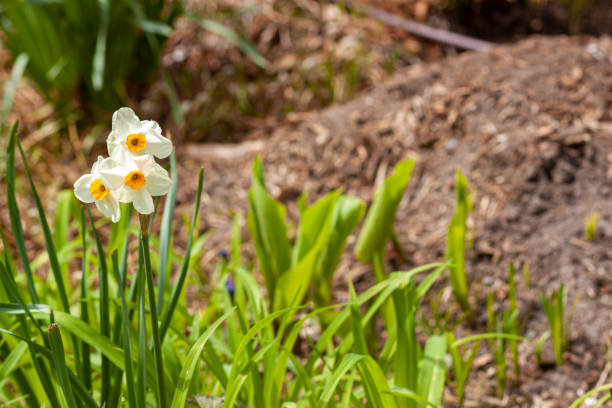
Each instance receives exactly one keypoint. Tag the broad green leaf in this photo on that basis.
(375, 384)
(408, 350)
(266, 221)
(378, 224)
(313, 220)
(347, 214)
(432, 373)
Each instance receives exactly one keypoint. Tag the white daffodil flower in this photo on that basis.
(135, 178)
(89, 188)
(138, 137)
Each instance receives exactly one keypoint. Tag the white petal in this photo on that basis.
(125, 121)
(94, 169)
(142, 163)
(124, 194)
(81, 188)
(142, 200)
(157, 181)
(157, 145)
(112, 173)
(109, 207)
(114, 142)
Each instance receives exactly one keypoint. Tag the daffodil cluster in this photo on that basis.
(130, 174)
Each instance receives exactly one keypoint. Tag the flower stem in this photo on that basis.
(144, 224)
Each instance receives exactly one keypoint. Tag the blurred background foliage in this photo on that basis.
(233, 69)
(89, 50)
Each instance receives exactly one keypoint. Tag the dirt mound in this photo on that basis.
(531, 127)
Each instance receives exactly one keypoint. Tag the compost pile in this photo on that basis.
(529, 124)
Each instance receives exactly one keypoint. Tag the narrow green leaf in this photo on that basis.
(99, 56)
(15, 217)
(591, 393)
(127, 339)
(157, 352)
(11, 362)
(15, 308)
(189, 367)
(59, 360)
(104, 307)
(50, 246)
(178, 286)
(245, 45)
(406, 393)
(141, 391)
(85, 369)
(165, 234)
(455, 245)
(11, 86)
(359, 345)
(347, 363)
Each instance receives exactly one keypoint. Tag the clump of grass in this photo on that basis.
(590, 225)
(554, 306)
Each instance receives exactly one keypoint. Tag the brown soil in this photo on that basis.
(529, 124)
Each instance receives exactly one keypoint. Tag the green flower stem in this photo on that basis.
(144, 223)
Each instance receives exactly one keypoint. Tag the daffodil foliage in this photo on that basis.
(99, 318)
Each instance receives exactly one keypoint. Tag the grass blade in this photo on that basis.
(180, 281)
(189, 367)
